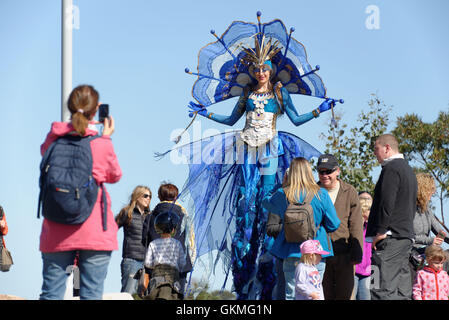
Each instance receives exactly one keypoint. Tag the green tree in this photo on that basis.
(426, 145)
(198, 292)
(353, 146)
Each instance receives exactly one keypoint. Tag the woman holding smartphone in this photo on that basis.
(59, 243)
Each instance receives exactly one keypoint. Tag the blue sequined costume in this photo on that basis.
(231, 172)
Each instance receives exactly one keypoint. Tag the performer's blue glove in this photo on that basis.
(196, 108)
(326, 105)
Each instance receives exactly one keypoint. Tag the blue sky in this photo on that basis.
(135, 52)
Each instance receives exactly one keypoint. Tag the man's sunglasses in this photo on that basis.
(326, 172)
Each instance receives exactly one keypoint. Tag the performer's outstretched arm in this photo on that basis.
(236, 114)
(303, 118)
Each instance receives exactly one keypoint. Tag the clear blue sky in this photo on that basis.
(134, 52)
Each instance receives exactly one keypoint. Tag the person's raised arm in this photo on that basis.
(293, 115)
(236, 114)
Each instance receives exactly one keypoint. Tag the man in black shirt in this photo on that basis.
(390, 224)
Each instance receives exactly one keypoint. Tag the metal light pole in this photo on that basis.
(66, 79)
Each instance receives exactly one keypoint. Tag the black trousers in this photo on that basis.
(338, 280)
(391, 271)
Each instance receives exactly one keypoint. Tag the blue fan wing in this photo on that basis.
(222, 75)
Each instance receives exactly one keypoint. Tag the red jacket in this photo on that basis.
(89, 235)
(4, 230)
(431, 285)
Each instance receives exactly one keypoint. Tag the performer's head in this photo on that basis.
(299, 179)
(263, 72)
(258, 58)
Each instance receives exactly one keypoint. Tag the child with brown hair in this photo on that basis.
(432, 282)
(165, 259)
(168, 194)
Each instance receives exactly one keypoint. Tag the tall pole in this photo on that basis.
(66, 70)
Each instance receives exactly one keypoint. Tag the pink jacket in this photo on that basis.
(431, 285)
(88, 235)
(364, 267)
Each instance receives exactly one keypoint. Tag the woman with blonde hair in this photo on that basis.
(425, 222)
(132, 218)
(299, 184)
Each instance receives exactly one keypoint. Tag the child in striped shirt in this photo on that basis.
(164, 260)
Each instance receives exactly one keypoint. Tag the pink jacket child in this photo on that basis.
(364, 267)
(431, 285)
(56, 237)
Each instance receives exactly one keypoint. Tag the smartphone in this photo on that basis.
(103, 112)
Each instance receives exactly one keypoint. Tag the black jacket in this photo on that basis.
(394, 201)
(149, 233)
(132, 240)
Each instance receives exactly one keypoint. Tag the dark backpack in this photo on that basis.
(299, 223)
(68, 191)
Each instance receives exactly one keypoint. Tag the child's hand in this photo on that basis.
(315, 295)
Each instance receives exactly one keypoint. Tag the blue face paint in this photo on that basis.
(267, 66)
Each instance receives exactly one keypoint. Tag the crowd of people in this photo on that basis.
(384, 237)
(358, 235)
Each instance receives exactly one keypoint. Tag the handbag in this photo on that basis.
(417, 258)
(5, 257)
(142, 282)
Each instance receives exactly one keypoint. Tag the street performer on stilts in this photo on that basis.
(230, 173)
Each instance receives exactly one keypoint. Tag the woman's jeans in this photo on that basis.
(129, 268)
(289, 268)
(362, 287)
(93, 266)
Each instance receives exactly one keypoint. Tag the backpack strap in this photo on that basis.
(308, 199)
(104, 200)
(105, 207)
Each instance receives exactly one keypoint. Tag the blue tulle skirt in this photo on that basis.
(226, 183)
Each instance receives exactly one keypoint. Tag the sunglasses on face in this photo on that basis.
(326, 172)
(146, 196)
